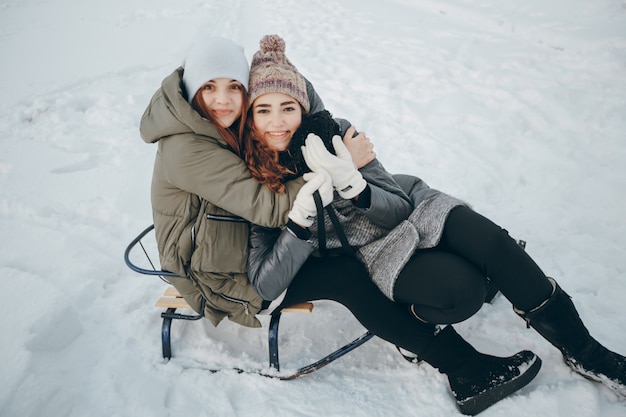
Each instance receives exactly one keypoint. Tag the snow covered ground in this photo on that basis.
(517, 107)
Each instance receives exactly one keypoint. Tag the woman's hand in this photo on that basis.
(360, 148)
(346, 179)
(304, 211)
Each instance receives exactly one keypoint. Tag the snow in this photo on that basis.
(517, 107)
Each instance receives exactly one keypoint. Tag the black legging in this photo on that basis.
(344, 279)
(444, 285)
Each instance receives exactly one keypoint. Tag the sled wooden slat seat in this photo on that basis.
(298, 308)
(172, 301)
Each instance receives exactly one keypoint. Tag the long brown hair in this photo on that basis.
(234, 134)
(262, 161)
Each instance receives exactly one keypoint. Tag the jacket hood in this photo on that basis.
(169, 113)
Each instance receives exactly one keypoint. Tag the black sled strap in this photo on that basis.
(321, 229)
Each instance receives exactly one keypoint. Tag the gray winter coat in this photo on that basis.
(276, 255)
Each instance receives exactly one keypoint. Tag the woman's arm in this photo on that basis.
(360, 148)
(389, 204)
(200, 166)
(274, 258)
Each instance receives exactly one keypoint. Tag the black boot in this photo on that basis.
(558, 322)
(478, 381)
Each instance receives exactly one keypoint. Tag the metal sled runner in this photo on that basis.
(172, 301)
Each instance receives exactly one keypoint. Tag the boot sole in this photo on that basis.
(474, 405)
(611, 384)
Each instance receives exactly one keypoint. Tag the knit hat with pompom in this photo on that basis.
(272, 72)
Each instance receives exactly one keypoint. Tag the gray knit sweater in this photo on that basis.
(387, 256)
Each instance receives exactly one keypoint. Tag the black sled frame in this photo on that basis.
(170, 314)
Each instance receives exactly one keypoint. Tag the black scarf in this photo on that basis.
(320, 123)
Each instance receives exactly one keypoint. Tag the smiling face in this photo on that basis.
(275, 118)
(222, 98)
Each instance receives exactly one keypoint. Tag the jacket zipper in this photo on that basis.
(236, 300)
(224, 218)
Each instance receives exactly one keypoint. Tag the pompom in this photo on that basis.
(272, 43)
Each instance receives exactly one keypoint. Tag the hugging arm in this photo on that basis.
(202, 167)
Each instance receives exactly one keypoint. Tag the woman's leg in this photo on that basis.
(441, 287)
(477, 381)
(497, 256)
(345, 280)
(539, 300)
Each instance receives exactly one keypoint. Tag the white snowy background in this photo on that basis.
(517, 107)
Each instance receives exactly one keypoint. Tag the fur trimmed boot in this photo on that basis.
(478, 381)
(557, 320)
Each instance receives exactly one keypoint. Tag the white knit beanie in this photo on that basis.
(211, 58)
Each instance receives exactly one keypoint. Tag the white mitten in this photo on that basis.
(346, 179)
(304, 211)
